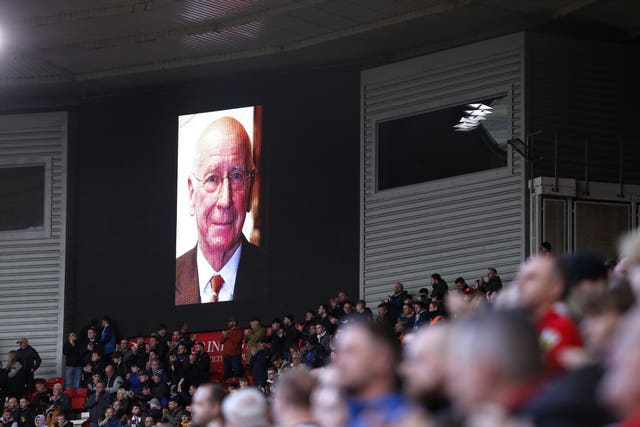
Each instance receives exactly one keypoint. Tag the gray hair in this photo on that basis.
(246, 408)
(506, 337)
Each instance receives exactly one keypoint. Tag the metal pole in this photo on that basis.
(555, 166)
(620, 192)
(586, 165)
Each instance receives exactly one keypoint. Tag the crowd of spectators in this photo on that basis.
(557, 347)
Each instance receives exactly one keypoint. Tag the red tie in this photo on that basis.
(216, 283)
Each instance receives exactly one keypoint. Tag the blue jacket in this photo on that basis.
(108, 339)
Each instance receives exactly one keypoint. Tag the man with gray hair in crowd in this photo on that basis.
(245, 408)
(494, 362)
(423, 371)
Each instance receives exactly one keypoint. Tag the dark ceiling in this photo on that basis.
(84, 47)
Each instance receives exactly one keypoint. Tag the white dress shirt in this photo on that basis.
(229, 271)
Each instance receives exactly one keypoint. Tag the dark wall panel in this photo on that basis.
(123, 184)
(584, 90)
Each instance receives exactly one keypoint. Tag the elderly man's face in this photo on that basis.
(423, 364)
(536, 281)
(220, 210)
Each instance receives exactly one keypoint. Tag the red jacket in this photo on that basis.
(232, 342)
(557, 332)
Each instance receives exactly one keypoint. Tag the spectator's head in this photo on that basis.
(108, 413)
(407, 310)
(585, 276)
(296, 358)
(23, 342)
(540, 284)
(309, 315)
(245, 408)
(121, 394)
(183, 327)
(418, 306)
(243, 382)
(206, 405)
(181, 349)
(72, 336)
(272, 373)
(24, 403)
(162, 330)
(424, 362)
(6, 415)
(254, 323)
(602, 316)
(57, 389)
(342, 296)
(435, 279)
(220, 206)
(323, 309)
(360, 306)
(91, 334)
(398, 287)
(124, 344)
(319, 328)
(12, 403)
(288, 320)
(366, 358)
(292, 397)
(106, 321)
(61, 419)
(423, 293)
(100, 387)
(153, 340)
(173, 404)
(185, 418)
(108, 371)
(95, 356)
(460, 283)
(231, 322)
(276, 360)
(347, 307)
(149, 421)
(491, 357)
(492, 273)
(199, 347)
(12, 357)
(275, 324)
(136, 409)
(383, 309)
(434, 306)
(545, 248)
(40, 387)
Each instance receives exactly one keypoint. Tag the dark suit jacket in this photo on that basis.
(250, 279)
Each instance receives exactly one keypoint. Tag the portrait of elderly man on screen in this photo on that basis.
(224, 265)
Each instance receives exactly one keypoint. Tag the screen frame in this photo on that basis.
(27, 161)
(435, 105)
(259, 191)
